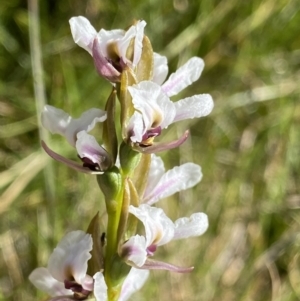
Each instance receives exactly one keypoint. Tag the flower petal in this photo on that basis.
(186, 227)
(134, 250)
(88, 147)
(133, 282)
(103, 66)
(160, 68)
(136, 128)
(159, 265)
(193, 107)
(72, 164)
(160, 147)
(153, 104)
(43, 280)
(158, 227)
(177, 179)
(138, 42)
(58, 121)
(100, 287)
(184, 76)
(83, 32)
(69, 259)
(156, 171)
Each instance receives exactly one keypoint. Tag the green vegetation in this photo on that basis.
(248, 147)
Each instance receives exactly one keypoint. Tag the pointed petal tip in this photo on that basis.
(159, 265)
(160, 147)
(72, 164)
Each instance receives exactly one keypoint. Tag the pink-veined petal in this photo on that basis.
(138, 42)
(159, 228)
(69, 259)
(59, 122)
(133, 282)
(100, 287)
(43, 280)
(88, 147)
(134, 250)
(160, 147)
(193, 107)
(179, 178)
(72, 164)
(184, 76)
(151, 264)
(160, 68)
(156, 171)
(195, 225)
(83, 32)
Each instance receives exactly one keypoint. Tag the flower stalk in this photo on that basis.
(112, 263)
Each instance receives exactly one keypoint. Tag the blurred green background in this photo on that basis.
(248, 147)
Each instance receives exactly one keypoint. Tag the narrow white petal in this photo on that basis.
(160, 68)
(136, 128)
(186, 227)
(156, 171)
(69, 259)
(179, 178)
(134, 250)
(193, 107)
(100, 287)
(59, 122)
(133, 282)
(184, 76)
(138, 42)
(83, 32)
(158, 227)
(43, 280)
(124, 42)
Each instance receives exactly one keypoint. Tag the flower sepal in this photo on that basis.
(109, 136)
(144, 69)
(96, 263)
(127, 79)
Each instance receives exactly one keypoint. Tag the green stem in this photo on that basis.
(114, 212)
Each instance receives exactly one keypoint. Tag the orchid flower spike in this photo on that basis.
(154, 111)
(133, 282)
(159, 230)
(161, 184)
(109, 48)
(65, 274)
(94, 157)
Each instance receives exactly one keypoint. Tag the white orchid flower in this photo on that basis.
(159, 230)
(109, 47)
(95, 158)
(65, 274)
(161, 184)
(154, 111)
(133, 282)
